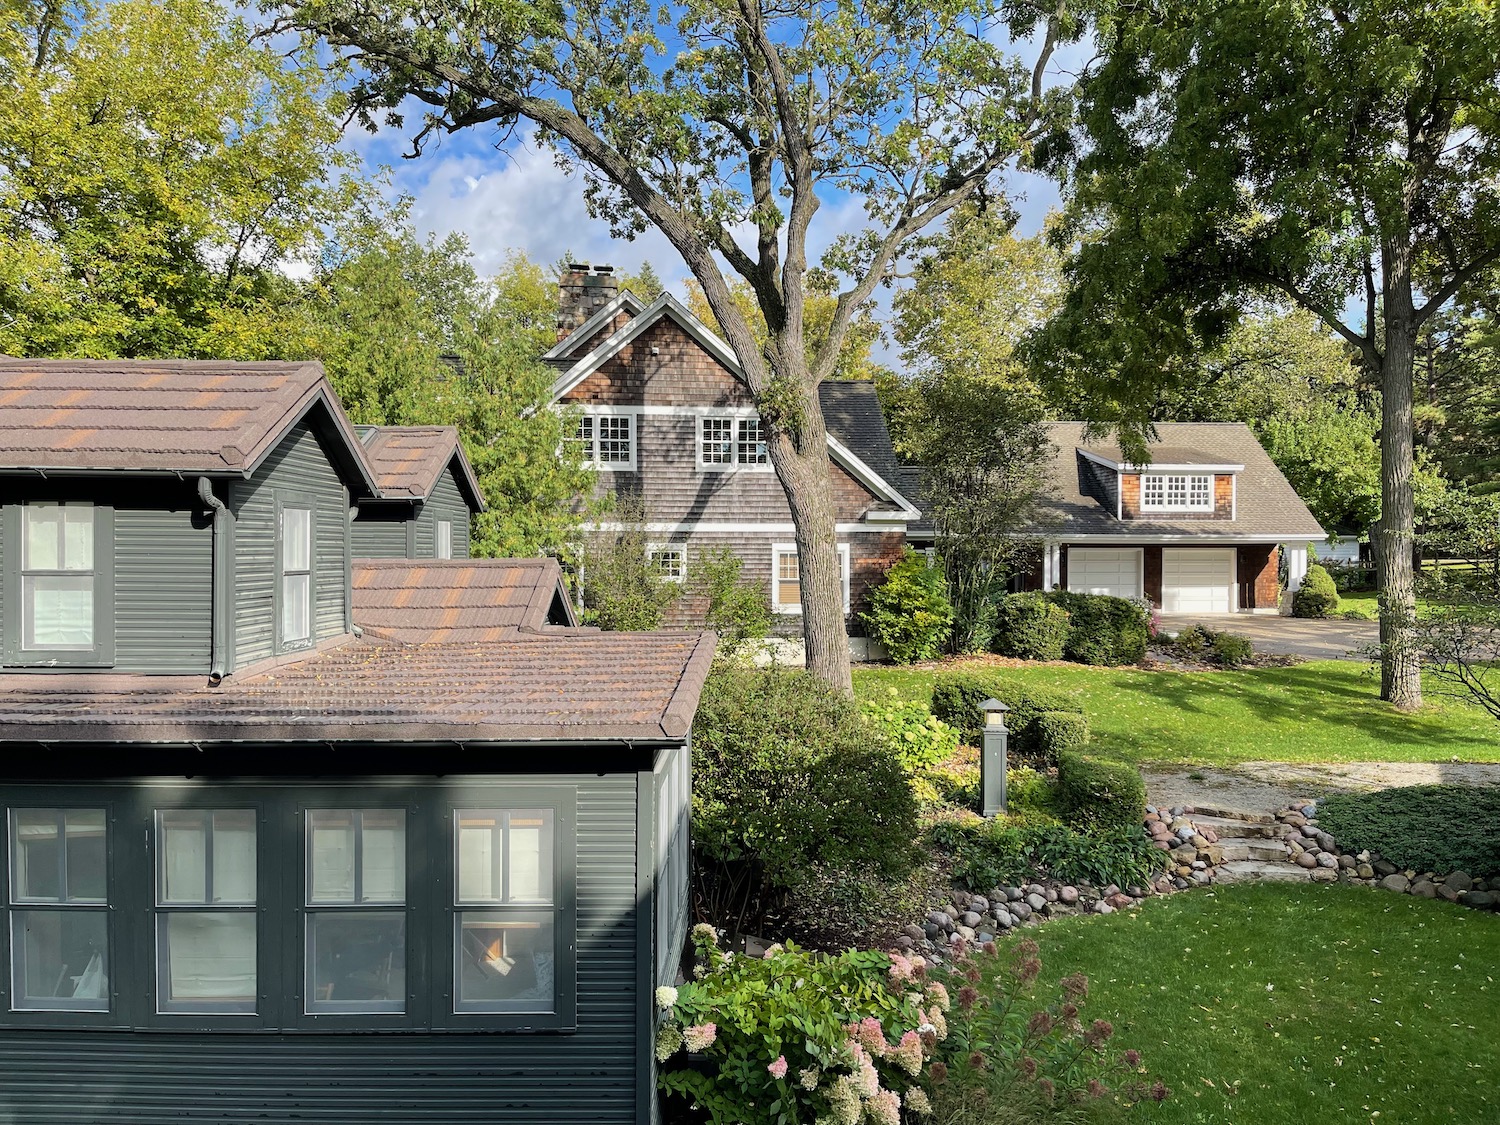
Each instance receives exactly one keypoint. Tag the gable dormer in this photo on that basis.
(1176, 484)
(428, 495)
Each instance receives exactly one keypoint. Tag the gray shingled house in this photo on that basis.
(665, 417)
(263, 863)
(1201, 528)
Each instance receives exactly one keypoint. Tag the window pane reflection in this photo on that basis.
(356, 961)
(60, 959)
(506, 962)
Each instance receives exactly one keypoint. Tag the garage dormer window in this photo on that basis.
(57, 577)
(295, 571)
(1177, 492)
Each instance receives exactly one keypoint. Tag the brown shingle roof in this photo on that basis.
(568, 686)
(409, 460)
(191, 416)
(454, 600)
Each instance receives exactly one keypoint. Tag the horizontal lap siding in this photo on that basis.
(164, 572)
(445, 503)
(298, 465)
(69, 1078)
(374, 538)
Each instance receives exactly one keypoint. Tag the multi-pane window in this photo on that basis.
(606, 441)
(356, 916)
(57, 576)
(504, 929)
(725, 443)
(670, 561)
(59, 917)
(296, 575)
(205, 910)
(1167, 492)
(786, 577)
(444, 539)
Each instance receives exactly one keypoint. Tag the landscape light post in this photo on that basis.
(992, 758)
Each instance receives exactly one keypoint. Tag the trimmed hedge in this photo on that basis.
(956, 697)
(990, 853)
(1438, 828)
(1103, 630)
(1317, 596)
(1097, 793)
(1029, 627)
(1057, 732)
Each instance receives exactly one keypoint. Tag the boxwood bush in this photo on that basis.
(1317, 596)
(1103, 630)
(1098, 793)
(1029, 627)
(1056, 732)
(1438, 828)
(956, 697)
(990, 853)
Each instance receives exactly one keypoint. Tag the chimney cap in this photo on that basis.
(580, 267)
(604, 270)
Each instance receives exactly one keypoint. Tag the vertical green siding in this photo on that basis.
(67, 1077)
(298, 465)
(164, 571)
(445, 503)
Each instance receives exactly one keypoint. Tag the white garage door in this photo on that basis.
(1099, 570)
(1197, 580)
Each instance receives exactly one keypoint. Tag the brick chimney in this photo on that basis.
(580, 294)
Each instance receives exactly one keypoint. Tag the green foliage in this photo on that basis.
(158, 165)
(621, 585)
(1096, 793)
(909, 612)
(1233, 650)
(1318, 596)
(737, 608)
(1191, 642)
(1030, 794)
(1437, 828)
(1103, 630)
(991, 853)
(1029, 627)
(780, 1031)
(787, 777)
(956, 697)
(918, 738)
(1057, 732)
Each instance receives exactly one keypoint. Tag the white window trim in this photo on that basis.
(735, 417)
(634, 421)
(654, 549)
(795, 609)
(1169, 507)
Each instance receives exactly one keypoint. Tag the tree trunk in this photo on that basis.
(801, 462)
(1400, 662)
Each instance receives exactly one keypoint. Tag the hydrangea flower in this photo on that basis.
(808, 1079)
(778, 1067)
(843, 1101)
(700, 1036)
(900, 969)
(916, 1101)
(884, 1108)
(938, 994)
(668, 1040)
(870, 1035)
(908, 1055)
(666, 997)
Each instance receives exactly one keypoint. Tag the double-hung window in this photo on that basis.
(606, 441)
(57, 576)
(205, 910)
(1177, 492)
(731, 442)
(59, 916)
(356, 910)
(786, 577)
(295, 520)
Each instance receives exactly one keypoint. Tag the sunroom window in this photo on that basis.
(59, 917)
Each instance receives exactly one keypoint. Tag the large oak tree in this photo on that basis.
(1233, 150)
(728, 124)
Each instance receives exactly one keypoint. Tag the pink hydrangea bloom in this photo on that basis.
(916, 1101)
(901, 971)
(870, 1035)
(938, 994)
(908, 1055)
(700, 1036)
(884, 1108)
(778, 1067)
(867, 1081)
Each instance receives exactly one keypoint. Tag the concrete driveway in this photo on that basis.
(1286, 636)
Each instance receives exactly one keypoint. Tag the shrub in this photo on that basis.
(1438, 828)
(1030, 791)
(910, 613)
(1053, 733)
(918, 737)
(794, 1036)
(1191, 642)
(1103, 630)
(786, 777)
(1233, 650)
(989, 853)
(1317, 596)
(1096, 793)
(621, 587)
(956, 697)
(1029, 627)
(737, 610)
(1351, 577)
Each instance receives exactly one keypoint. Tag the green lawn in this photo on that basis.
(1322, 711)
(1317, 1005)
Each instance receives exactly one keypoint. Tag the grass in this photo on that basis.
(1270, 1004)
(1321, 711)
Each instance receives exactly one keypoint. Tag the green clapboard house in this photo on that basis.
(307, 816)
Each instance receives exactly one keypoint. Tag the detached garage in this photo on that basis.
(1198, 580)
(1117, 571)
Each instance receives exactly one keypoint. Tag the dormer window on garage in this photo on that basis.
(1177, 492)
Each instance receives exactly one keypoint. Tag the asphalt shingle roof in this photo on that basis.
(852, 414)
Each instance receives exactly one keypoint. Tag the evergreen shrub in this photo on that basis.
(1317, 596)
(1097, 793)
(1029, 627)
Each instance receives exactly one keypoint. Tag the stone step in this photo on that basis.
(1259, 871)
(1271, 851)
(1230, 828)
(1225, 812)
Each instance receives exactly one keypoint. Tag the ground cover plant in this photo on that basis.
(1438, 828)
(1284, 1003)
(1320, 711)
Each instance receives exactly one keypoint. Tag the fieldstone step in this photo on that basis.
(1259, 871)
(1270, 851)
(1233, 828)
(1227, 813)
